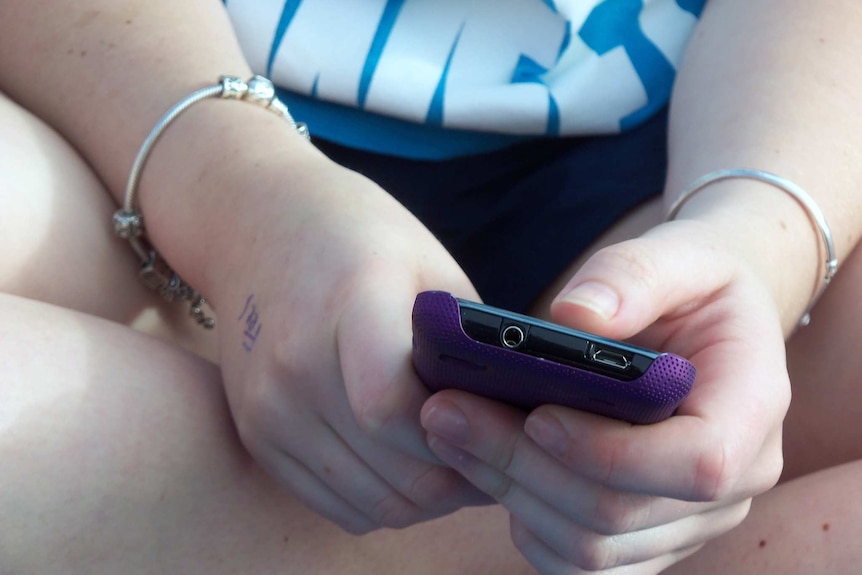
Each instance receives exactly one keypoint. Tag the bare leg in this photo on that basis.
(59, 247)
(56, 225)
(120, 457)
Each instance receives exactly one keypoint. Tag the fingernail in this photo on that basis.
(594, 296)
(449, 422)
(548, 433)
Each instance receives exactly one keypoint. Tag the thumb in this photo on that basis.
(382, 389)
(626, 287)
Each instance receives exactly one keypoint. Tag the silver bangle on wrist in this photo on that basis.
(129, 222)
(812, 210)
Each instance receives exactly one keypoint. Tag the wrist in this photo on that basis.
(777, 237)
(205, 183)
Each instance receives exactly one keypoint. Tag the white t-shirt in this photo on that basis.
(468, 74)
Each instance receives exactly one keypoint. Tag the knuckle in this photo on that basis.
(593, 553)
(500, 488)
(521, 537)
(763, 476)
(505, 459)
(769, 470)
(377, 416)
(434, 487)
(741, 511)
(394, 511)
(634, 260)
(714, 477)
(611, 457)
(585, 551)
(744, 510)
(255, 416)
(771, 474)
(359, 527)
(509, 455)
(616, 512)
(417, 493)
(352, 521)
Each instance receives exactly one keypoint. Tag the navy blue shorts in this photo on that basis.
(514, 219)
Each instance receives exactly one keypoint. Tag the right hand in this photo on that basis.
(590, 494)
(325, 397)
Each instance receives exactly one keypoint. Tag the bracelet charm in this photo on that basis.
(128, 221)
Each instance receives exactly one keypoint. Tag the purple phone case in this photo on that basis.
(445, 357)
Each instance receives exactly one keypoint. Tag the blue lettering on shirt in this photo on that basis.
(613, 24)
(436, 63)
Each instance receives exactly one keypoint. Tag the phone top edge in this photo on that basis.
(446, 356)
(533, 321)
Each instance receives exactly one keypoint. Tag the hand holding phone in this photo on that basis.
(528, 362)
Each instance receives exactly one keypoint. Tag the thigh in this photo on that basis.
(119, 456)
(56, 224)
(56, 237)
(822, 426)
(810, 525)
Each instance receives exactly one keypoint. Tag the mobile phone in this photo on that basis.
(528, 362)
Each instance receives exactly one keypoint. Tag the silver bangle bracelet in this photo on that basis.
(129, 222)
(815, 214)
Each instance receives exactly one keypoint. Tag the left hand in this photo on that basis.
(587, 493)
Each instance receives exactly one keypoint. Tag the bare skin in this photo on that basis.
(809, 523)
(715, 314)
(126, 459)
(148, 464)
(301, 400)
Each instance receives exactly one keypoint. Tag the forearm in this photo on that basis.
(103, 72)
(773, 85)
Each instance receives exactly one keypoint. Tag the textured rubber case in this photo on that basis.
(445, 357)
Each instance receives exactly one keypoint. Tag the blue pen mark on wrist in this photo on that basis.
(250, 319)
